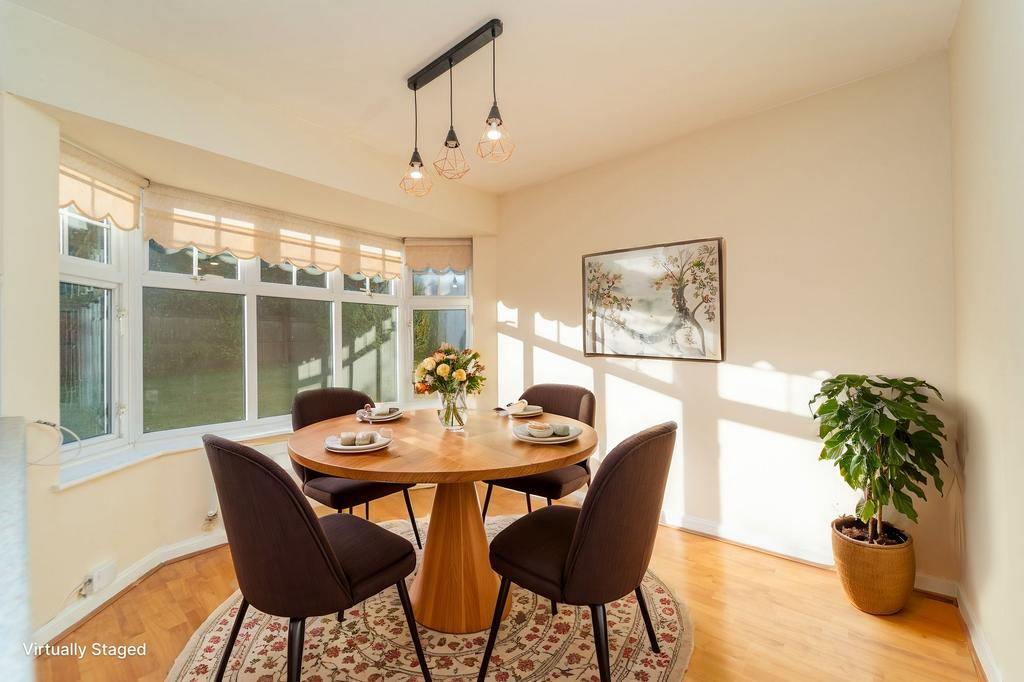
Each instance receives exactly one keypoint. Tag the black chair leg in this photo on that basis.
(499, 606)
(341, 616)
(366, 511)
(487, 499)
(647, 621)
(243, 607)
(412, 517)
(554, 608)
(350, 510)
(600, 622)
(296, 635)
(403, 595)
(549, 501)
(529, 504)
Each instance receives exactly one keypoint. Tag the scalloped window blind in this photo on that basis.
(99, 189)
(438, 254)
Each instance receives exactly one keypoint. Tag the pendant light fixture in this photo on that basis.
(495, 145)
(415, 181)
(451, 162)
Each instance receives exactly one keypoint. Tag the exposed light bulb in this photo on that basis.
(415, 173)
(493, 132)
(415, 181)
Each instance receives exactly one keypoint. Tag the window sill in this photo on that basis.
(122, 455)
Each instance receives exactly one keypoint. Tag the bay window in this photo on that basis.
(85, 359)
(293, 350)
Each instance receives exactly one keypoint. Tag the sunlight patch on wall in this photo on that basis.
(571, 336)
(772, 486)
(510, 369)
(631, 408)
(550, 367)
(506, 315)
(545, 328)
(662, 370)
(763, 386)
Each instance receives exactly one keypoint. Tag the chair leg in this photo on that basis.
(499, 606)
(554, 608)
(549, 501)
(296, 635)
(412, 517)
(529, 504)
(243, 607)
(366, 511)
(350, 510)
(600, 623)
(487, 499)
(647, 621)
(341, 616)
(403, 595)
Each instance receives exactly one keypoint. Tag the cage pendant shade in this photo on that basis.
(495, 145)
(416, 182)
(451, 161)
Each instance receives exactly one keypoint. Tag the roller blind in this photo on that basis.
(99, 189)
(438, 254)
(177, 218)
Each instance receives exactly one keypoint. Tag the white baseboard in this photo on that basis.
(944, 586)
(981, 647)
(85, 607)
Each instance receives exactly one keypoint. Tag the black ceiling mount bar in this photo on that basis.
(467, 46)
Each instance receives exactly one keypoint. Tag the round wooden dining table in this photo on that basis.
(454, 589)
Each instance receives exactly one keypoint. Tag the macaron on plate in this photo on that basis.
(378, 442)
(521, 410)
(524, 433)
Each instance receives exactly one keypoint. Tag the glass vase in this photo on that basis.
(452, 414)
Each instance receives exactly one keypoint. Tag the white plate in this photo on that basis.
(529, 411)
(523, 434)
(387, 418)
(331, 443)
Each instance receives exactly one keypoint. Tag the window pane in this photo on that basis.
(379, 285)
(430, 283)
(193, 364)
(355, 282)
(280, 273)
(311, 277)
(86, 239)
(369, 350)
(85, 359)
(431, 328)
(178, 261)
(222, 265)
(293, 353)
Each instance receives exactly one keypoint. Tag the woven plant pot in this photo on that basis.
(876, 578)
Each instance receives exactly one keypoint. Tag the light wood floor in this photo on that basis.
(757, 616)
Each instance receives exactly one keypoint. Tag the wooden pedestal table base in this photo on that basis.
(455, 588)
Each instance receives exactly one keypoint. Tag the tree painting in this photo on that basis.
(606, 301)
(660, 301)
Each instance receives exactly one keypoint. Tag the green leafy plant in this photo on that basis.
(877, 430)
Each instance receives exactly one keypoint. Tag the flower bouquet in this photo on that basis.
(453, 373)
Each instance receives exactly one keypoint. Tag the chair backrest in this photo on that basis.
(566, 400)
(283, 563)
(310, 407)
(615, 533)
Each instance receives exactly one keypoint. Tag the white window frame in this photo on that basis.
(413, 303)
(128, 274)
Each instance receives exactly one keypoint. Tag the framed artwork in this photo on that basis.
(661, 301)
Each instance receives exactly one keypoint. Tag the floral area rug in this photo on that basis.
(373, 644)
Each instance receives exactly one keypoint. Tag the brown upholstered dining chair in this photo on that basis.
(338, 493)
(566, 400)
(595, 554)
(291, 564)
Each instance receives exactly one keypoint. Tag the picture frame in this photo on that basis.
(661, 301)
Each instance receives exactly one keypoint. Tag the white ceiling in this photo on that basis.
(578, 82)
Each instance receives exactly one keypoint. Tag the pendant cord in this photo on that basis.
(451, 95)
(416, 120)
(494, 70)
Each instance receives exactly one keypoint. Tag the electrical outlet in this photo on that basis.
(100, 577)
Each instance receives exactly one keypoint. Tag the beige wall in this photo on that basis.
(987, 70)
(123, 516)
(836, 216)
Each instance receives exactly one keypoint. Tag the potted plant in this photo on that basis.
(886, 443)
